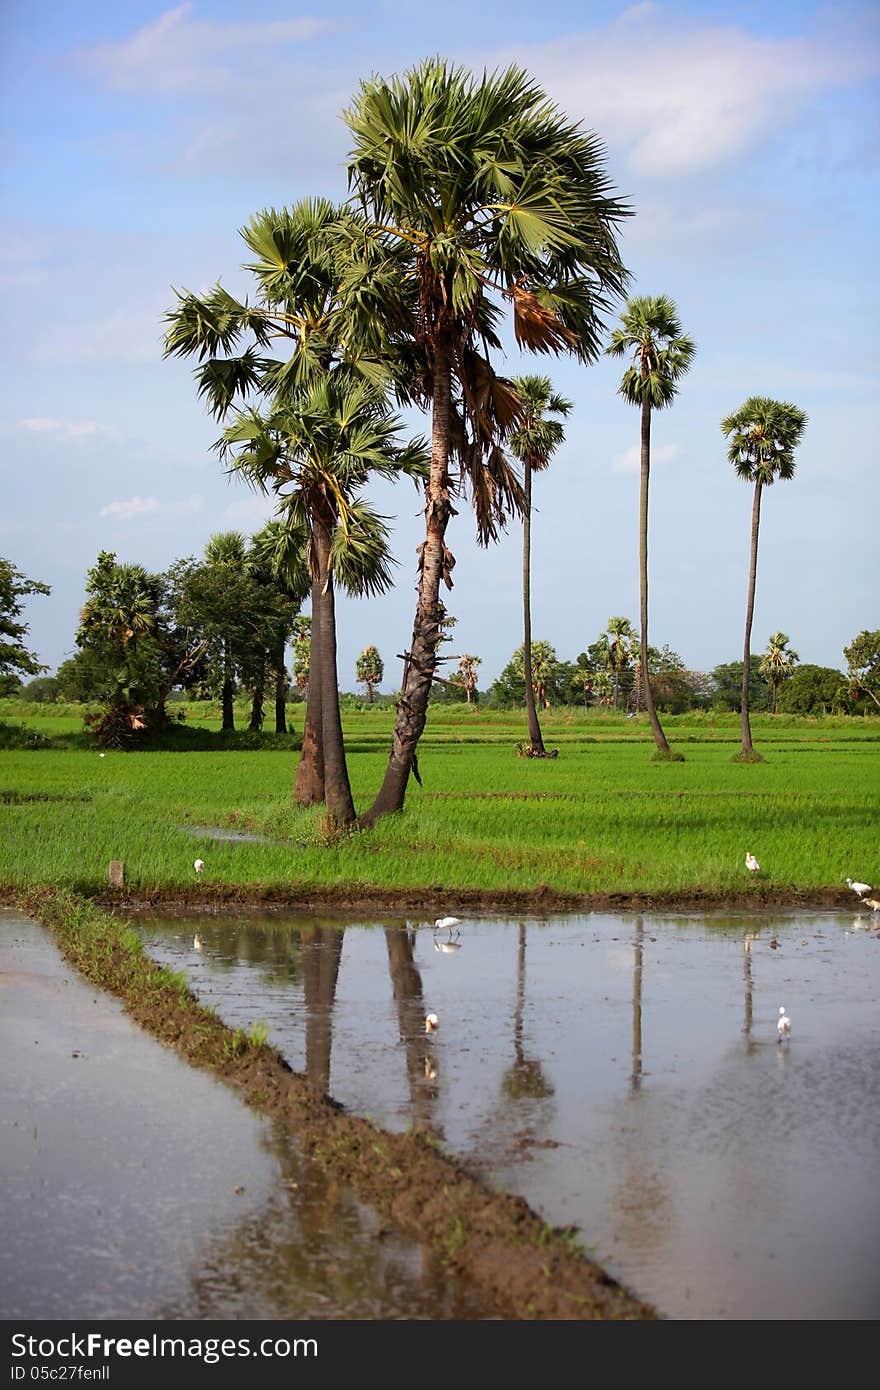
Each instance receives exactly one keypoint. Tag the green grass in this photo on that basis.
(603, 817)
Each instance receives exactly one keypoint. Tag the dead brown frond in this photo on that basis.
(537, 328)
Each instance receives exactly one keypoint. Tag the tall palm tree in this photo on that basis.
(225, 553)
(763, 435)
(534, 442)
(650, 333)
(315, 453)
(778, 662)
(488, 198)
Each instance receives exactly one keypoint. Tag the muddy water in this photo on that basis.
(622, 1073)
(132, 1186)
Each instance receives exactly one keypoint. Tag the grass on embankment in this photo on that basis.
(524, 1268)
(602, 818)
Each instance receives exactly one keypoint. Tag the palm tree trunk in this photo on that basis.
(337, 788)
(775, 694)
(228, 724)
(535, 738)
(747, 747)
(259, 694)
(659, 736)
(421, 662)
(280, 690)
(308, 789)
(322, 951)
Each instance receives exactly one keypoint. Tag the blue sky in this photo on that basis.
(138, 138)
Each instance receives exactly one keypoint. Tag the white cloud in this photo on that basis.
(630, 461)
(127, 511)
(77, 431)
(681, 99)
(180, 53)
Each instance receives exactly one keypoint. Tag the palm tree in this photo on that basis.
(278, 556)
(534, 442)
(651, 334)
(487, 197)
(315, 453)
(225, 553)
(778, 662)
(615, 649)
(763, 435)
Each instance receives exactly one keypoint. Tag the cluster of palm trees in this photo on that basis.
(472, 199)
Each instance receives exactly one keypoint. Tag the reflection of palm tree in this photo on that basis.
(747, 978)
(525, 1078)
(321, 952)
(637, 1005)
(406, 983)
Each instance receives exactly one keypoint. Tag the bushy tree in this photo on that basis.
(41, 691)
(15, 659)
(814, 690)
(863, 664)
(727, 685)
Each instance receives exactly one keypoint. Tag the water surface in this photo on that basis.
(621, 1072)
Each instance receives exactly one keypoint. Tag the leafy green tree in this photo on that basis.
(127, 625)
(778, 663)
(762, 438)
(81, 677)
(15, 659)
(278, 561)
(650, 334)
(301, 647)
(488, 198)
(814, 690)
(369, 670)
(863, 663)
(727, 679)
(534, 442)
(41, 691)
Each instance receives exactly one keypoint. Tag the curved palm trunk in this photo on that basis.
(308, 789)
(750, 610)
(422, 660)
(337, 788)
(535, 738)
(659, 736)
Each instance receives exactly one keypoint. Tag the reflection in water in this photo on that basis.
(406, 984)
(321, 952)
(720, 1176)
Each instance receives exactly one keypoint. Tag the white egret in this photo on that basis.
(432, 1023)
(783, 1027)
(859, 888)
(752, 864)
(199, 866)
(446, 923)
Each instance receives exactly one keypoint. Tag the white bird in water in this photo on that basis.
(783, 1027)
(197, 942)
(432, 1023)
(446, 923)
(860, 888)
(199, 866)
(752, 864)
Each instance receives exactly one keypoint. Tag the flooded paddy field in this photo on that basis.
(622, 1073)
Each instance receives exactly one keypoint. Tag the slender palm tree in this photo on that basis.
(278, 555)
(778, 662)
(763, 435)
(534, 442)
(615, 649)
(650, 333)
(315, 453)
(225, 553)
(488, 198)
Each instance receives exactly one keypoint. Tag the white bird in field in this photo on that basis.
(783, 1027)
(102, 755)
(859, 888)
(197, 942)
(432, 1023)
(446, 923)
(199, 866)
(752, 864)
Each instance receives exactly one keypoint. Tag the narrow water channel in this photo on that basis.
(623, 1073)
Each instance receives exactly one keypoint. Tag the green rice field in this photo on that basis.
(601, 818)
